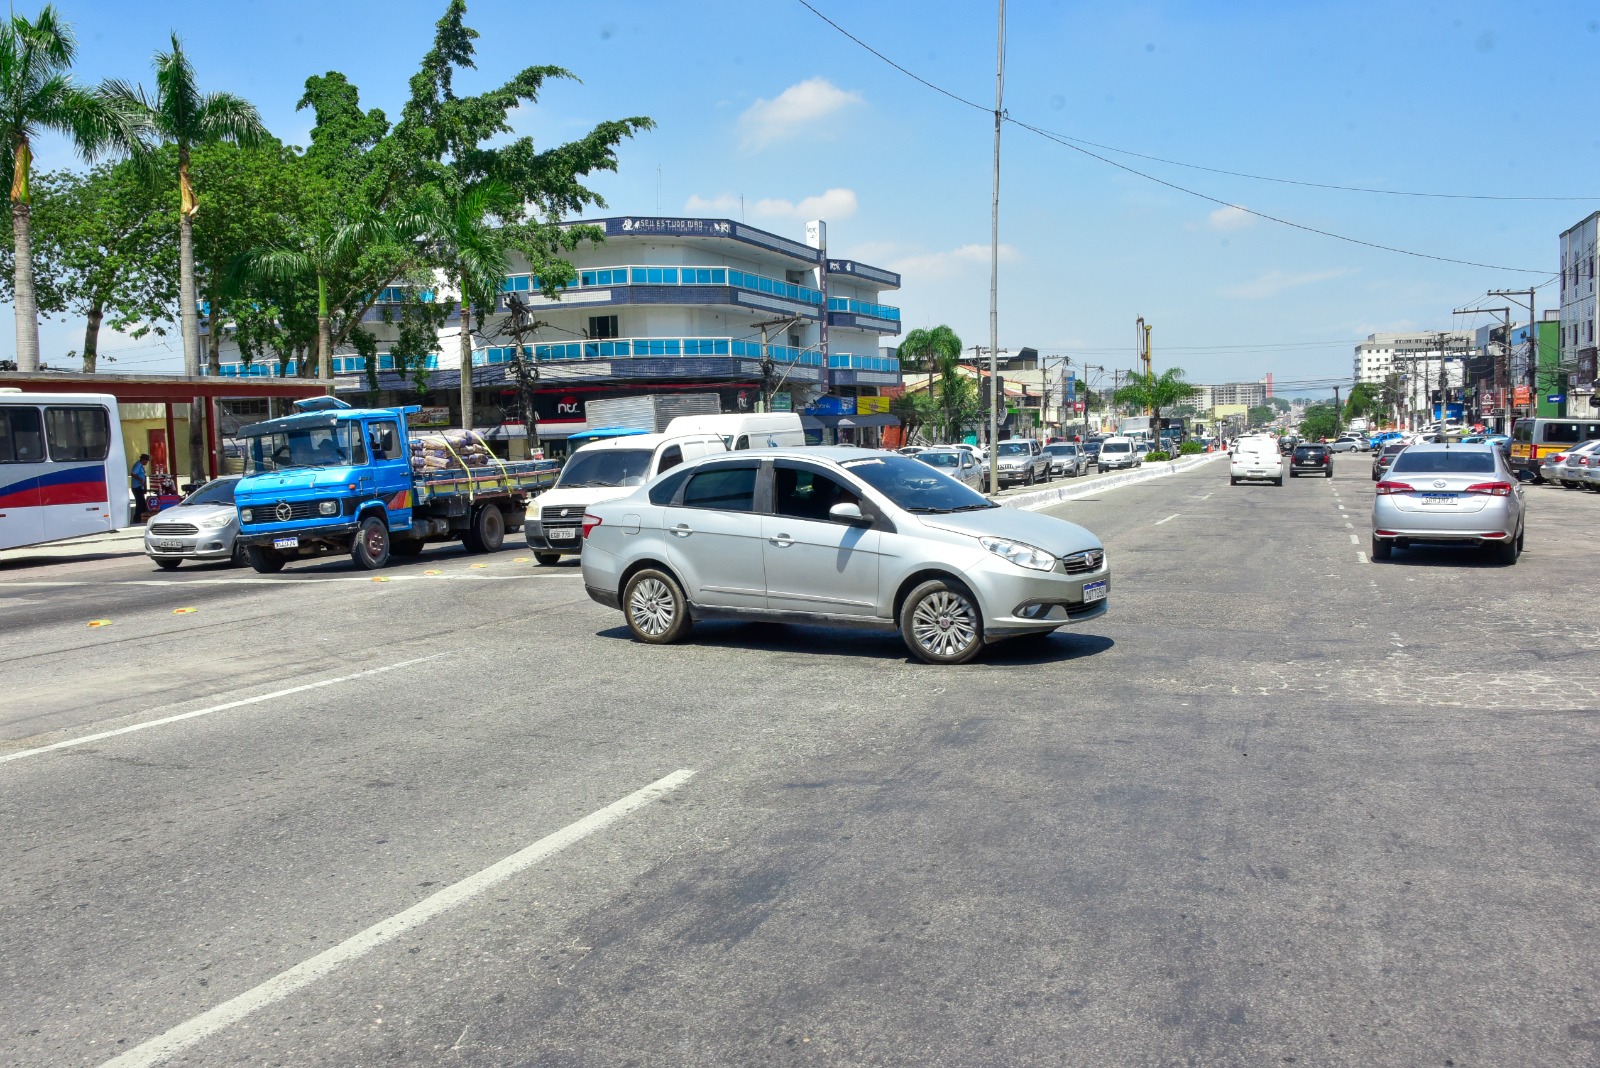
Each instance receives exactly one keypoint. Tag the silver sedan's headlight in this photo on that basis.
(1020, 553)
(215, 522)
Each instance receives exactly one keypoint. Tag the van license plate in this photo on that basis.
(561, 533)
(286, 543)
(1094, 591)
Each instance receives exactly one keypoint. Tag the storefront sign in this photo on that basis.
(872, 405)
(703, 227)
(1556, 398)
(1522, 395)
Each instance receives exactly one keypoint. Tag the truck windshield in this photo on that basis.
(606, 467)
(333, 445)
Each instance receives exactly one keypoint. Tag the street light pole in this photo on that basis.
(994, 257)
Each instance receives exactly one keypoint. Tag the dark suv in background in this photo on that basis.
(1311, 460)
(1383, 459)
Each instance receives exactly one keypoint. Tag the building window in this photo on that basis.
(602, 327)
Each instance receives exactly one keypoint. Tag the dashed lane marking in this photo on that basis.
(1354, 540)
(1169, 519)
(86, 739)
(280, 986)
(1361, 558)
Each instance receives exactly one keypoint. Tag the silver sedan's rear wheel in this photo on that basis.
(657, 611)
(940, 623)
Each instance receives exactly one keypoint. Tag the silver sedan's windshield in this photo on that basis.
(909, 484)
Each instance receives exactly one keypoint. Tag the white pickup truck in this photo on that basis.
(602, 471)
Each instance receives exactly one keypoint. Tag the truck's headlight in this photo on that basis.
(247, 515)
(1020, 553)
(328, 507)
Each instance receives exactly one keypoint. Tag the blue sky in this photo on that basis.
(762, 100)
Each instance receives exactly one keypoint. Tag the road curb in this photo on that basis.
(1045, 498)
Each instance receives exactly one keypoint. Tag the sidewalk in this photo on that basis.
(129, 541)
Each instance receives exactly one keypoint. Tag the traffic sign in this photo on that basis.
(1556, 398)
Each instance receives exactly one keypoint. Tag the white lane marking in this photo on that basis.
(1207, 497)
(1361, 558)
(283, 984)
(1354, 540)
(1169, 519)
(1352, 526)
(45, 584)
(85, 740)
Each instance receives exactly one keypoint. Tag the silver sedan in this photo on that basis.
(959, 464)
(201, 527)
(838, 536)
(1449, 493)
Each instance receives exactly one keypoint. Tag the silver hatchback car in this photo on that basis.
(201, 527)
(1449, 493)
(838, 536)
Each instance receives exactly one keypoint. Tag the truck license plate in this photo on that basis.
(1094, 591)
(286, 543)
(561, 533)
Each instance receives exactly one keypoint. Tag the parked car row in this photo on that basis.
(1577, 468)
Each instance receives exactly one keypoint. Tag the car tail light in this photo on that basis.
(589, 523)
(1493, 489)
(1583, 461)
(1558, 457)
(1386, 488)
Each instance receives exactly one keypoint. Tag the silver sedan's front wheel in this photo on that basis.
(941, 624)
(657, 611)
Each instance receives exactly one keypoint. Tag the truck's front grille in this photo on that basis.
(558, 514)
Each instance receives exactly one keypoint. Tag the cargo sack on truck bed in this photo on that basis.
(450, 449)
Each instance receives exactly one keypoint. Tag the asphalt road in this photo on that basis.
(1282, 805)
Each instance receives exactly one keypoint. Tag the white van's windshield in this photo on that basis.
(1115, 446)
(606, 467)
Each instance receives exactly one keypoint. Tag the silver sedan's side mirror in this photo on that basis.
(847, 513)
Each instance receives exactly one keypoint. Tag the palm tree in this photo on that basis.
(181, 115)
(1155, 392)
(927, 349)
(317, 255)
(467, 237)
(36, 94)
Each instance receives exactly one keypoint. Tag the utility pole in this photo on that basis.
(1337, 409)
(994, 256)
(527, 376)
(768, 369)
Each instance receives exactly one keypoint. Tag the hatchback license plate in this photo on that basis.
(561, 533)
(286, 543)
(1438, 498)
(1094, 591)
(170, 546)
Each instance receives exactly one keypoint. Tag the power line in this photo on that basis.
(1068, 143)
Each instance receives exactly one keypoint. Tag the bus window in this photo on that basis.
(21, 441)
(1560, 434)
(77, 434)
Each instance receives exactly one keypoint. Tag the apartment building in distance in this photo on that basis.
(1382, 355)
(1580, 314)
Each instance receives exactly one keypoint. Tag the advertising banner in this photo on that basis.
(1522, 395)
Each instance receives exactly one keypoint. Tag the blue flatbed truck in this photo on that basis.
(335, 478)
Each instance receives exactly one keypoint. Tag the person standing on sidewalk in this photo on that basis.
(140, 484)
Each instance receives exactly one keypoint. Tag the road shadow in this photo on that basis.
(1464, 557)
(849, 642)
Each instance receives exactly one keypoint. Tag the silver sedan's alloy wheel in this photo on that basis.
(652, 607)
(945, 624)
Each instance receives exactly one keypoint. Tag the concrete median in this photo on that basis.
(1047, 497)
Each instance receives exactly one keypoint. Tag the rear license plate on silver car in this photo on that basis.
(1094, 591)
(1438, 498)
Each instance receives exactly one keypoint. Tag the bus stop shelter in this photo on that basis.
(169, 391)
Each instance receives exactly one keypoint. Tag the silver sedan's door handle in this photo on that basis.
(782, 541)
(682, 530)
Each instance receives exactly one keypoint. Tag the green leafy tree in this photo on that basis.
(1155, 392)
(104, 248)
(37, 94)
(473, 183)
(915, 409)
(1365, 400)
(1279, 404)
(1320, 421)
(1260, 415)
(925, 350)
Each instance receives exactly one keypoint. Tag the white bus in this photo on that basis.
(63, 472)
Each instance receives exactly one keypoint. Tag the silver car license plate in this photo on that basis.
(286, 543)
(1439, 498)
(170, 546)
(1094, 591)
(561, 533)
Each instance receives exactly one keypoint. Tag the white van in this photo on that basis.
(1118, 453)
(602, 471)
(760, 430)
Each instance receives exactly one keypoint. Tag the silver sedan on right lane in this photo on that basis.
(1449, 493)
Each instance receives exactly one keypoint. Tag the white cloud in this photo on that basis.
(798, 109)
(1272, 283)
(830, 204)
(1230, 218)
(930, 266)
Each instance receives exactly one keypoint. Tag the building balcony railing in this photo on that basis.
(644, 275)
(342, 365)
(849, 361)
(635, 347)
(861, 307)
